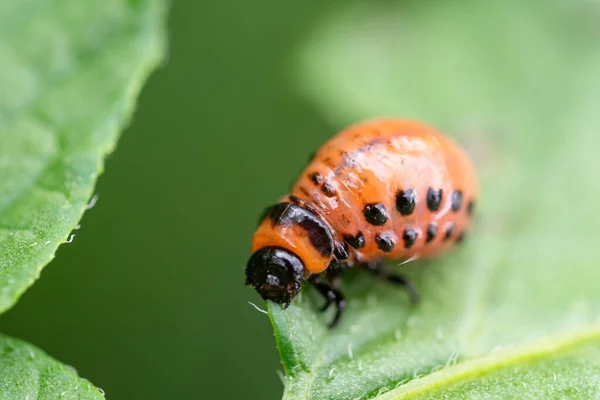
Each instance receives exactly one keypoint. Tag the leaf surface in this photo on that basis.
(70, 74)
(29, 373)
(515, 312)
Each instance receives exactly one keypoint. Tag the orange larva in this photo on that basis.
(385, 189)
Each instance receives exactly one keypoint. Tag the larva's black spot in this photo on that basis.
(341, 251)
(471, 207)
(460, 237)
(328, 189)
(316, 178)
(432, 230)
(456, 200)
(405, 201)
(319, 234)
(434, 199)
(385, 242)
(375, 214)
(409, 237)
(357, 241)
(449, 231)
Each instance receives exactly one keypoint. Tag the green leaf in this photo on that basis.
(29, 373)
(71, 71)
(515, 312)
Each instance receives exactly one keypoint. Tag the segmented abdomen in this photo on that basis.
(391, 189)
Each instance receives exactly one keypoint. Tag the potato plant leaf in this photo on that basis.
(70, 73)
(515, 312)
(29, 373)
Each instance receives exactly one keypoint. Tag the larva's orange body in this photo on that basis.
(387, 189)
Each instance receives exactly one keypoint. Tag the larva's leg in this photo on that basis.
(332, 296)
(379, 270)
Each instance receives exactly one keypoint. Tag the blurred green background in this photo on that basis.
(148, 301)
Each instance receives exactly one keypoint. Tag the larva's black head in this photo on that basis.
(275, 273)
